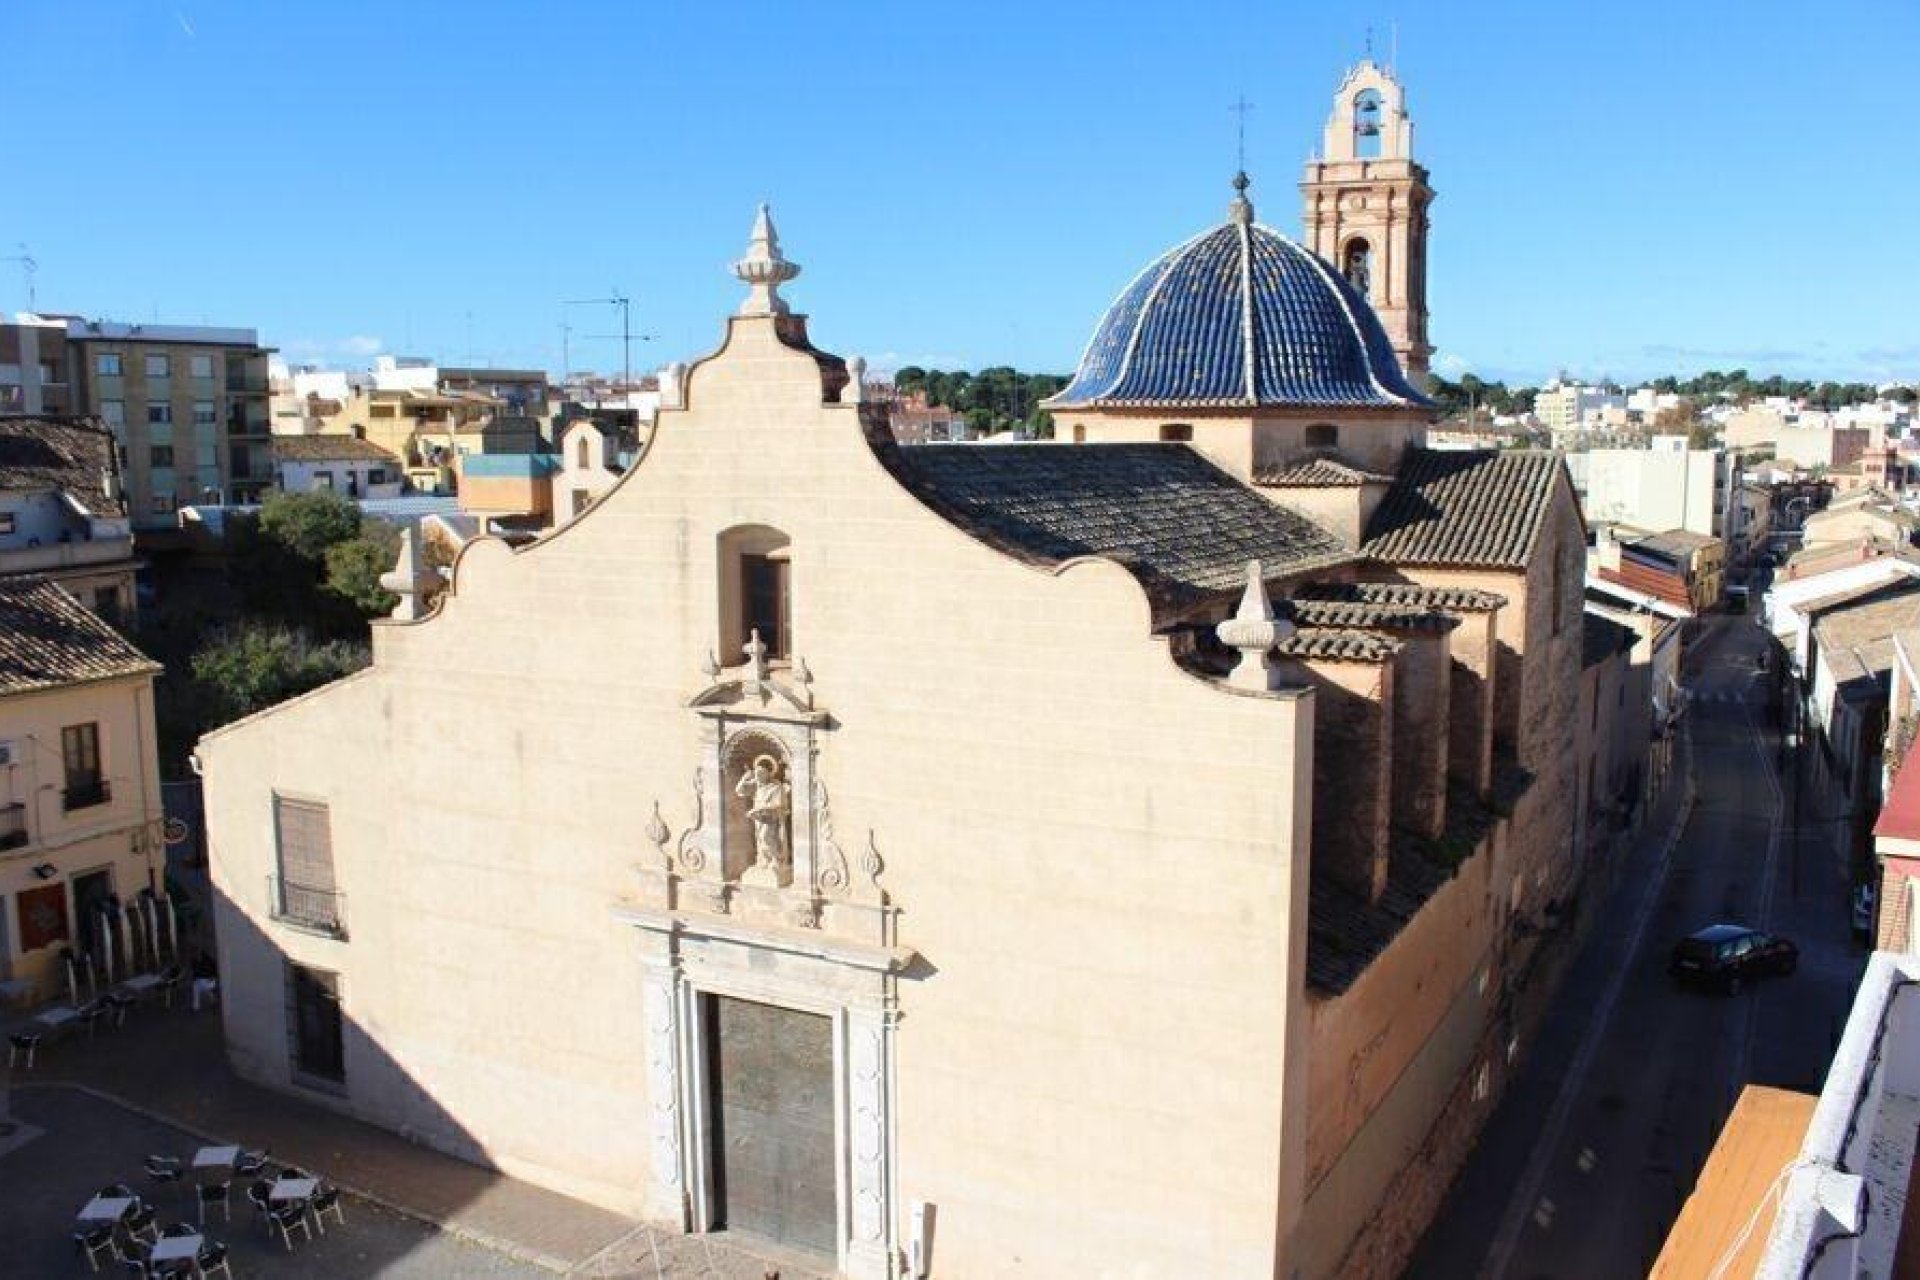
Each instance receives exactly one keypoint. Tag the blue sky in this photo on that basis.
(1627, 188)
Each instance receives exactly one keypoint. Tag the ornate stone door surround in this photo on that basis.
(719, 912)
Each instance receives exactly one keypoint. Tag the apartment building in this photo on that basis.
(63, 512)
(188, 404)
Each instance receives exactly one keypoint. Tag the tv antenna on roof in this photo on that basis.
(27, 267)
(626, 335)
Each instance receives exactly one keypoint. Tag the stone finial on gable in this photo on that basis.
(764, 269)
(1254, 630)
(856, 380)
(411, 578)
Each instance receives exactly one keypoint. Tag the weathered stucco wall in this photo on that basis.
(1099, 858)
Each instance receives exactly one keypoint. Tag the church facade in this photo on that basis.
(1142, 857)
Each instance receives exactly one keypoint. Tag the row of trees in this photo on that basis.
(1455, 398)
(1737, 385)
(289, 615)
(1000, 398)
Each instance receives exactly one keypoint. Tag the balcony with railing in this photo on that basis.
(85, 794)
(13, 825)
(307, 906)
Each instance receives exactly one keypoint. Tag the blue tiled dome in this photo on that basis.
(1238, 317)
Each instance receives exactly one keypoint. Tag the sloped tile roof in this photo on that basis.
(1181, 525)
(71, 455)
(1363, 614)
(1446, 599)
(48, 639)
(1239, 316)
(1332, 644)
(1321, 473)
(329, 449)
(1466, 508)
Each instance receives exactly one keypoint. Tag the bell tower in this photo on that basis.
(1366, 208)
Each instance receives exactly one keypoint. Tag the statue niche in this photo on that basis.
(759, 828)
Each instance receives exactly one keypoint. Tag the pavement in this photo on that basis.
(168, 1068)
(1584, 1166)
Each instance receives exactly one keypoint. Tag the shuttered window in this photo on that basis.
(306, 843)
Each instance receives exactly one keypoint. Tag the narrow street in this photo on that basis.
(1585, 1165)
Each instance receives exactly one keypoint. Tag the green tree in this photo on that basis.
(308, 523)
(251, 666)
(355, 565)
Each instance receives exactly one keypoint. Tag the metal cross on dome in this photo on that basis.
(1240, 108)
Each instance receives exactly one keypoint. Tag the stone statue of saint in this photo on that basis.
(1359, 269)
(769, 801)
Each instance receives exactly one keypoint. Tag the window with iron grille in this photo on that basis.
(307, 892)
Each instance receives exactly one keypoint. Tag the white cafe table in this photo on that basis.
(176, 1248)
(106, 1209)
(141, 982)
(292, 1189)
(57, 1016)
(215, 1157)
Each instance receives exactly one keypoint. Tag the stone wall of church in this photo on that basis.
(1387, 1055)
(1353, 770)
(1098, 858)
(1422, 701)
(1473, 650)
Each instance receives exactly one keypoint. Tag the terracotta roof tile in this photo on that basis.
(329, 449)
(1366, 615)
(1466, 508)
(71, 455)
(1330, 644)
(1321, 473)
(1445, 599)
(1181, 525)
(48, 639)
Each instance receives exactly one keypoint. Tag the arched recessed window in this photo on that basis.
(1079, 433)
(1356, 264)
(1176, 433)
(1366, 124)
(1323, 435)
(580, 453)
(756, 592)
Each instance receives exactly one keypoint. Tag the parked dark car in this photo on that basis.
(1727, 955)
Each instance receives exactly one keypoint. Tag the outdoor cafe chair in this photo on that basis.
(96, 1241)
(117, 1191)
(287, 1217)
(140, 1222)
(170, 980)
(326, 1199)
(216, 1193)
(258, 1194)
(213, 1257)
(249, 1164)
(165, 1168)
(22, 1042)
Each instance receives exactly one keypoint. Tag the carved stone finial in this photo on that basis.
(657, 832)
(410, 578)
(1240, 209)
(856, 381)
(711, 666)
(1253, 630)
(803, 676)
(764, 269)
(756, 650)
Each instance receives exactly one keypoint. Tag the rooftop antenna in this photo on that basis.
(27, 267)
(1369, 42)
(1393, 54)
(627, 336)
(566, 370)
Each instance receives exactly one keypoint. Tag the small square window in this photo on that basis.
(203, 413)
(113, 412)
(6, 522)
(160, 455)
(107, 365)
(200, 366)
(159, 415)
(163, 504)
(157, 367)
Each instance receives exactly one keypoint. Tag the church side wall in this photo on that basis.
(1099, 859)
(1384, 1057)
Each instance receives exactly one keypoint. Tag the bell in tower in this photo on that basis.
(1366, 205)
